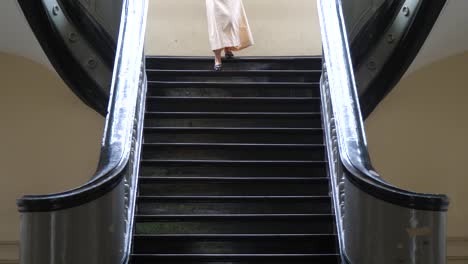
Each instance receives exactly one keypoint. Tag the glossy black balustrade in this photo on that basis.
(384, 38)
(376, 222)
(80, 38)
(93, 223)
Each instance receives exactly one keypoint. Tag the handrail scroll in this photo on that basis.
(376, 222)
(93, 223)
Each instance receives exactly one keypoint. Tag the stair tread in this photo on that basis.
(232, 85)
(230, 98)
(230, 216)
(237, 59)
(238, 113)
(175, 179)
(239, 84)
(245, 114)
(190, 197)
(232, 71)
(237, 129)
(211, 179)
(235, 145)
(182, 236)
(235, 75)
(238, 255)
(239, 162)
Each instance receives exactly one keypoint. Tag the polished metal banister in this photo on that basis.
(93, 223)
(377, 222)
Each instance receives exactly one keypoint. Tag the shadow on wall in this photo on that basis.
(279, 28)
(418, 137)
(50, 141)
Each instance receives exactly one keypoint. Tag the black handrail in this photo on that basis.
(403, 54)
(68, 68)
(98, 36)
(352, 148)
(118, 131)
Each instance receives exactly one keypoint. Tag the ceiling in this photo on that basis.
(448, 37)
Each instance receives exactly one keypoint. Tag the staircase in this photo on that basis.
(233, 165)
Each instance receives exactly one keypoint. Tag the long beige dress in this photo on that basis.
(228, 25)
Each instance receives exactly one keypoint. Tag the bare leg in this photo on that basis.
(218, 60)
(217, 54)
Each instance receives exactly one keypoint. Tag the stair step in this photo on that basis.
(235, 224)
(247, 115)
(236, 244)
(235, 99)
(238, 89)
(154, 186)
(233, 119)
(235, 258)
(145, 179)
(235, 145)
(237, 85)
(233, 171)
(153, 205)
(232, 104)
(225, 151)
(233, 130)
(273, 163)
(235, 75)
(180, 168)
(238, 63)
(233, 135)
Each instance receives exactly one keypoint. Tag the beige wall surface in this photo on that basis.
(279, 27)
(49, 140)
(418, 139)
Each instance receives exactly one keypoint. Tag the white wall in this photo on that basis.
(448, 36)
(49, 140)
(279, 27)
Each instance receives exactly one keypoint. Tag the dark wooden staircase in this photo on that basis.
(233, 165)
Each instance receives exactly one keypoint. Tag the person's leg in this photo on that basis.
(228, 53)
(218, 59)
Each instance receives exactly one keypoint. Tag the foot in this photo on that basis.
(229, 54)
(218, 67)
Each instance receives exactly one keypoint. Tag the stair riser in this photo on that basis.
(235, 260)
(249, 153)
(322, 225)
(187, 105)
(265, 138)
(159, 90)
(314, 245)
(207, 64)
(232, 171)
(234, 77)
(235, 85)
(234, 122)
(234, 189)
(317, 206)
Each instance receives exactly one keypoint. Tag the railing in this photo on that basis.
(93, 223)
(384, 37)
(376, 222)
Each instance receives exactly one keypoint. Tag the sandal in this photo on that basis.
(228, 54)
(218, 67)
